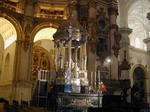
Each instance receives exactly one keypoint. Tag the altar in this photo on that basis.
(74, 87)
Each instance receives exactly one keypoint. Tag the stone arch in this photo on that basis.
(41, 26)
(141, 66)
(19, 38)
(38, 28)
(15, 23)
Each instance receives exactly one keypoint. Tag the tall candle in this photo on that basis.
(91, 78)
(95, 80)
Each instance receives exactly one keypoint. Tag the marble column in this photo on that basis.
(22, 88)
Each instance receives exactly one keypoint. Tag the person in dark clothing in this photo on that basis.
(145, 105)
(135, 95)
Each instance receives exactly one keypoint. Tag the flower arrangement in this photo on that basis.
(101, 87)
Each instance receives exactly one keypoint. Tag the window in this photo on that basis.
(137, 43)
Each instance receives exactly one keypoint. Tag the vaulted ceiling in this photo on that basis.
(8, 32)
(137, 20)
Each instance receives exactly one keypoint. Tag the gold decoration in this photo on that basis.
(26, 44)
(52, 51)
(92, 4)
(112, 11)
(93, 44)
(101, 12)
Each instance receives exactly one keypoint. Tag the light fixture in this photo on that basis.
(108, 60)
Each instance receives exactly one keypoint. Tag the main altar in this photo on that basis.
(86, 60)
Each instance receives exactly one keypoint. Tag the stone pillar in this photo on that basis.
(112, 44)
(123, 14)
(125, 32)
(147, 41)
(23, 86)
(125, 43)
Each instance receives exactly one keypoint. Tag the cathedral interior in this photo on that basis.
(74, 55)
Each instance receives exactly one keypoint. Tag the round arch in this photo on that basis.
(141, 66)
(19, 37)
(41, 26)
(37, 29)
(15, 23)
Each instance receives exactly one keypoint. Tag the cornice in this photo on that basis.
(125, 30)
(147, 40)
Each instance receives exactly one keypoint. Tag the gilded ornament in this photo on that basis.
(112, 11)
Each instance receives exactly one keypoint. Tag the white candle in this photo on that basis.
(91, 77)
